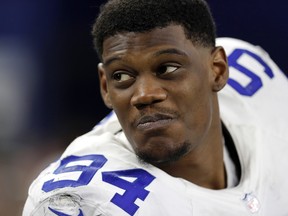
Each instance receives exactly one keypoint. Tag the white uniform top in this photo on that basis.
(99, 174)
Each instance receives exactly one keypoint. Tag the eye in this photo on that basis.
(166, 69)
(121, 76)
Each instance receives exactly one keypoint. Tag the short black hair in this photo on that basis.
(118, 16)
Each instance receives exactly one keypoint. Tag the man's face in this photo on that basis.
(160, 86)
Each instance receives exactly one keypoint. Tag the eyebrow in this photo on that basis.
(110, 60)
(158, 53)
(170, 51)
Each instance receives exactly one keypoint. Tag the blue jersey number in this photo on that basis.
(87, 172)
(133, 189)
(256, 82)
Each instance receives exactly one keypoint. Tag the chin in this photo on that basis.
(163, 155)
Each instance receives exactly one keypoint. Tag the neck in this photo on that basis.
(203, 169)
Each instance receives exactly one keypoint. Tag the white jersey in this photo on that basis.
(99, 174)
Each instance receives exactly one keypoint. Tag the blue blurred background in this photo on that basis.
(48, 77)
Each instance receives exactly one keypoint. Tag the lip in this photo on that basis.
(158, 120)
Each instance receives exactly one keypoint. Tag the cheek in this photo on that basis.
(120, 99)
(121, 105)
(196, 109)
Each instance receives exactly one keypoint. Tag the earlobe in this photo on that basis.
(103, 86)
(220, 69)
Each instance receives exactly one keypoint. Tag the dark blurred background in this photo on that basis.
(48, 77)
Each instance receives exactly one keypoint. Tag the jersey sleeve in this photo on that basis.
(256, 92)
(98, 176)
(73, 184)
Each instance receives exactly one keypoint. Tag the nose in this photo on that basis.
(148, 91)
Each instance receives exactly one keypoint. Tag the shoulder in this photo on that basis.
(251, 69)
(70, 181)
(97, 175)
(256, 92)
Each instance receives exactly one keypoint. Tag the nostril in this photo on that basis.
(143, 105)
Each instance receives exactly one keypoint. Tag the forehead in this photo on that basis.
(172, 36)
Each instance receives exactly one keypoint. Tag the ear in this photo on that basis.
(220, 69)
(103, 86)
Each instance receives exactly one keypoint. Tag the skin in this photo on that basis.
(163, 89)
